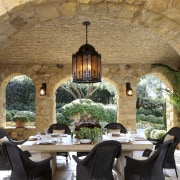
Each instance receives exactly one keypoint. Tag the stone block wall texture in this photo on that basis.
(161, 17)
(45, 105)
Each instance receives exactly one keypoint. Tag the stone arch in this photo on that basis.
(59, 83)
(3, 86)
(160, 17)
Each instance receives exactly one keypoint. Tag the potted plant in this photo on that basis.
(88, 133)
(20, 120)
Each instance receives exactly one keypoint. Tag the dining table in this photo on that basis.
(48, 145)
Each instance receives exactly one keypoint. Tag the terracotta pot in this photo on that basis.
(20, 124)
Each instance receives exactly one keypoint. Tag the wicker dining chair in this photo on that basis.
(23, 167)
(169, 162)
(4, 163)
(148, 169)
(115, 126)
(98, 164)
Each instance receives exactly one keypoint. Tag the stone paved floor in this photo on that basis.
(64, 172)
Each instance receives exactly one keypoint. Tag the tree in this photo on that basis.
(20, 94)
(150, 95)
(100, 92)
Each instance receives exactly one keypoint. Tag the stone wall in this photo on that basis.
(117, 74)
(160, 17)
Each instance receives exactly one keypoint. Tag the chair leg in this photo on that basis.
(69, 156)
(176, 173)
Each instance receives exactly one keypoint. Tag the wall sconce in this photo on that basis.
(43, 89)
(129, 91)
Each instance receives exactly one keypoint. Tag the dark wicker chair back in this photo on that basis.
(116, 126)
(4, 163)
(23, 167)
(98, 163)
(169, 161)
(149, 169)
(58, 126)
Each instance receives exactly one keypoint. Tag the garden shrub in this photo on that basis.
(157, 113)
(13, 112)
(144, 111)
(98, 111)
(151, 118)
(147, 132)
(152, 133)
(63, 120)
(31, 115)
(159, 133)
(111, 112)
(141, 117)
(160, 126)
(160, 120)
(8, 116)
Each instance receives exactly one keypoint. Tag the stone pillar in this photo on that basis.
(126, 110)
(45, 109)
(3, 107)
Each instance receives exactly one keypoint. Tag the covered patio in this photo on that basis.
(38, 39)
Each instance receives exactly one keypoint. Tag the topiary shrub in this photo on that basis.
(97, 111)
(152, 133)
(159, 134)
(147, 132)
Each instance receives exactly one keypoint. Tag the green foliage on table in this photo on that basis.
(88, 133)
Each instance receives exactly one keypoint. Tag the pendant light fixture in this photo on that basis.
(86, 63)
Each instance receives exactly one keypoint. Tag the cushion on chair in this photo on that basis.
(113, 130)
(168, 137)
(62, 131)
(3, 139)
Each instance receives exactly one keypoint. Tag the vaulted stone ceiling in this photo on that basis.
(52, 40)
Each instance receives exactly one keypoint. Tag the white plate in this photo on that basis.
(84, 141)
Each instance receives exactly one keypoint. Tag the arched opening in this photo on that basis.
(20, 101)
(99, 94)
(152, 105)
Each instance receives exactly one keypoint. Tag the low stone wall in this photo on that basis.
(20, 133)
